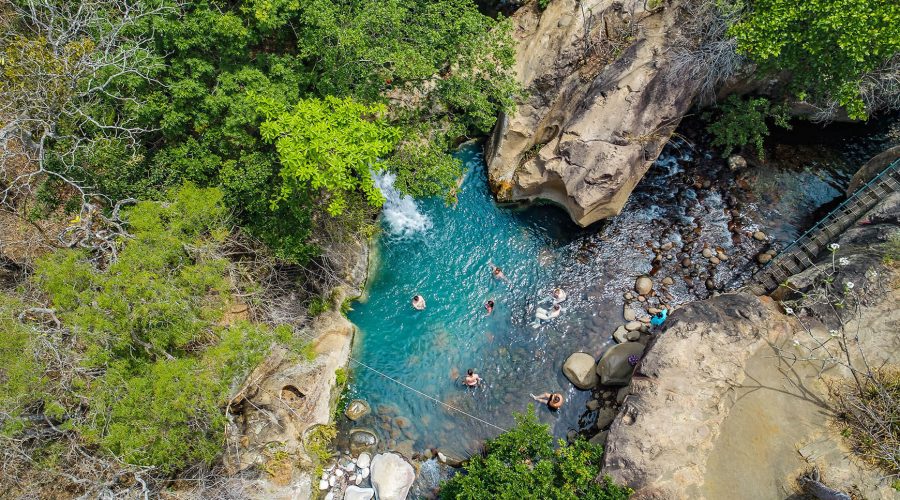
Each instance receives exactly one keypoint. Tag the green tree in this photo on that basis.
(522, 463)
(329, 145)
(826, 47)
(738, 122)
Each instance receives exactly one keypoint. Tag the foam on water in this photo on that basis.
(400, 212)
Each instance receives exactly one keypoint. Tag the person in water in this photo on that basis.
(559, 295)
(554, 401)
(418, 302)
(496, 272)
(546, 315)
(472, 379)
(489, 305)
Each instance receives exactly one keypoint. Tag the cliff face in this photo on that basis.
(733, 399)
(603, 99)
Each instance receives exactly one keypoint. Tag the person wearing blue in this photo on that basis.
(660, 317)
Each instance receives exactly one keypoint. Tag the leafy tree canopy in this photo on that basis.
(826, 46)
(522, 463)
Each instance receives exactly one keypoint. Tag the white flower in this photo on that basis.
(850, 285)
(834, 246)
(788, 310)
(843, 261)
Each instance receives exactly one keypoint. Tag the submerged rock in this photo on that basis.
(392, 476)
(579, 369)
(357, 409)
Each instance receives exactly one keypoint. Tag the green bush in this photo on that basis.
(825, 46)
(522, 463)
(740, 122)
(156, 363)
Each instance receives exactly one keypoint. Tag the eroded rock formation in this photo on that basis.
(603, 99)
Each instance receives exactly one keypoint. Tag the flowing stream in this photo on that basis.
(687, 202)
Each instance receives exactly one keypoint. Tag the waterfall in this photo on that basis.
(400, 210)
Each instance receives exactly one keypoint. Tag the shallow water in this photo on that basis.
(688, 199)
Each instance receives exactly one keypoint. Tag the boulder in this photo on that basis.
(633, 325)
(392, 476)
(614, 368)
(643, 285)
(668, 281)
(591, 127)
(634, 335)
(357, 493)
(579, 369)
(357, 409)
(605, 417)
(599, 439)
(620, 335)
(362, 440)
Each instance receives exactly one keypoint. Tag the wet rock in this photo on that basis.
(764, 258)
(714, 261)
(323, 485)
(736, 162)
(668, 281)
(686, 262)
(759, 236)
(592, 405)
(579, 369)
(357, 409)
(628, 296)
(357, 493)
(632, 325)
(620, 335)
(666, 246)
(628, 313)
(614, 368)
(710, 284)
(392, 476)
(641, 298)
(406, 448)
(605, 417)
(362, 440)
(401, 422)
(633, 336)
(707, 253)
(599, 439)
(721, 256)
(643, 285)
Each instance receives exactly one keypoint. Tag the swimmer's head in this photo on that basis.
(470, 372)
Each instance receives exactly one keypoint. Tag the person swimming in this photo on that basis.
(418, 302)
(489, 305)
(497, 273)
(559, 295)
(472, 379)
(554, 401)
(546, 315)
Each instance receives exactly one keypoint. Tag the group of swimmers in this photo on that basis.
(554, 401)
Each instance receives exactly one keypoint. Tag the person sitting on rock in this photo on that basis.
(472, 379)
(554, 401)
(489, 305)
(418, 302)
(559, 295)
(659, 318)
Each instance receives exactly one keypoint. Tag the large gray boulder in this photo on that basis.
(579, 369)
(392, 476)
(590, 127)
(614, 368)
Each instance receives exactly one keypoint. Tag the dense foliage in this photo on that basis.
(141, 363)
(740, 122)
(825, 47)
(522, 463)
(434, 71)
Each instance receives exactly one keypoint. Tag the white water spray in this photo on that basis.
(400, 210)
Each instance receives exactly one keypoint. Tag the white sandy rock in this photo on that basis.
(357, 493)
(392, 476)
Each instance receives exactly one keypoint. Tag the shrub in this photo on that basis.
(522, 463)
(740, 122)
